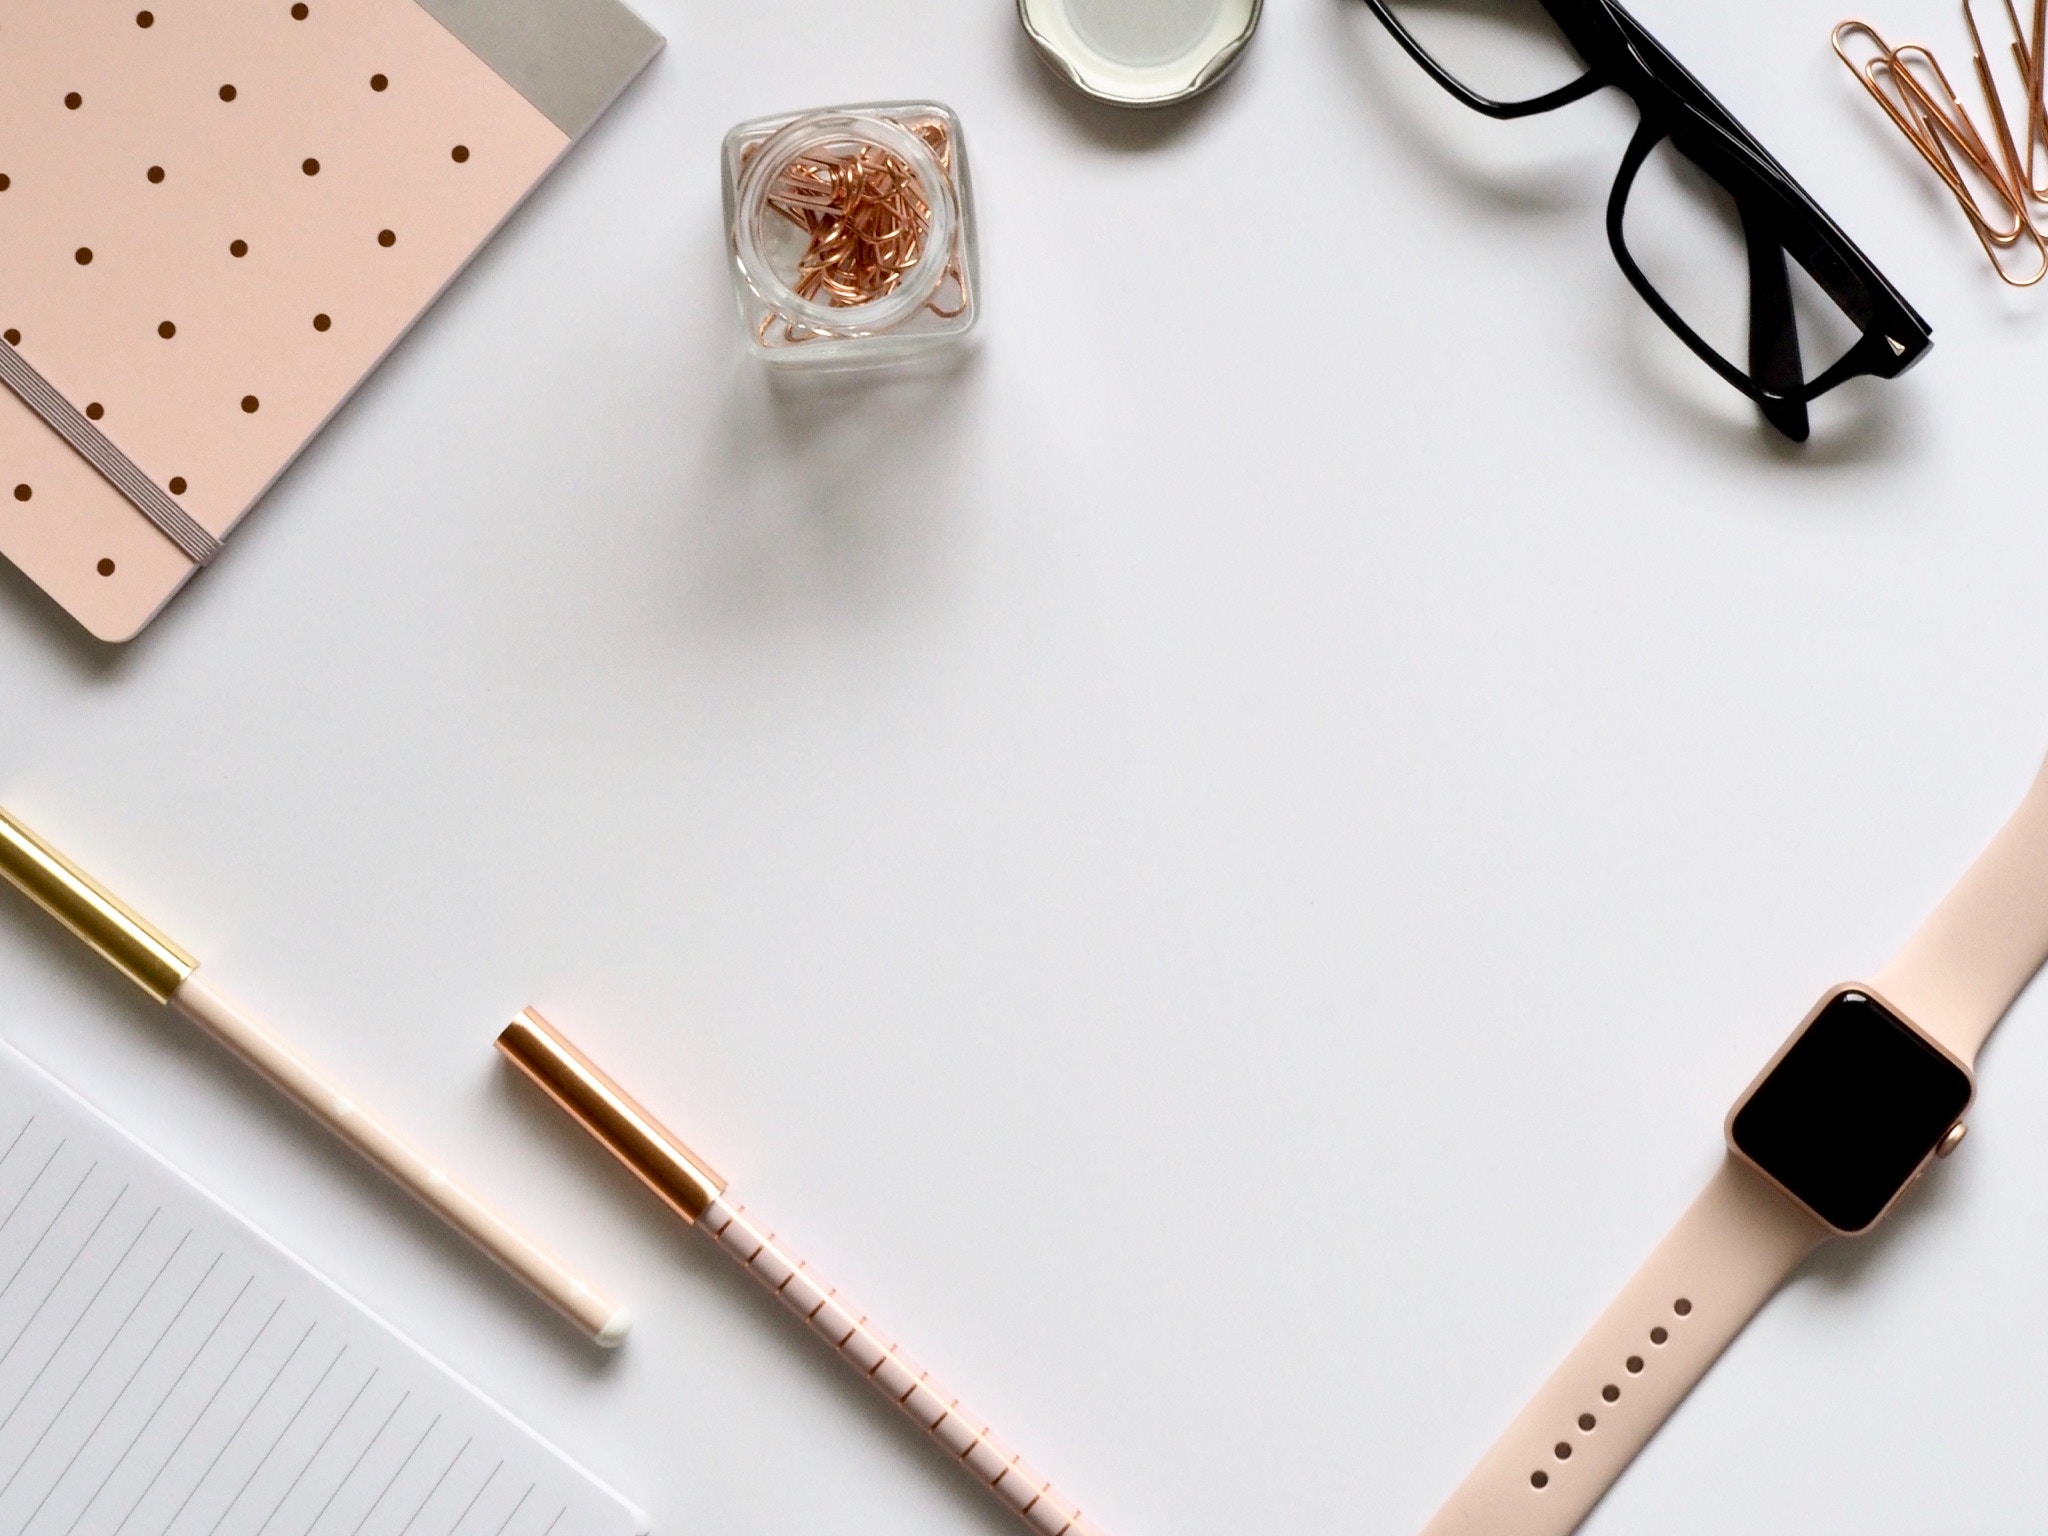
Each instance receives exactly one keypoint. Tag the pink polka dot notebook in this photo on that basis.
(216, 217)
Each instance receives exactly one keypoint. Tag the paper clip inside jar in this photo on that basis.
(849, 235)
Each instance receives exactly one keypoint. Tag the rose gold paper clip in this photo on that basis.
(688, 1186)
(1998, 188)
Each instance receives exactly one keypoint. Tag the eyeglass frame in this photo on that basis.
(1671, 104)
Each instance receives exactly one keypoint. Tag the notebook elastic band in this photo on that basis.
(93, 445)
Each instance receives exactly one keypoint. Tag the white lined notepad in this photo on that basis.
(165, 1370)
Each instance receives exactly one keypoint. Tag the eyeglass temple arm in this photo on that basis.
(1580, 88)
(1774, 360)
(1875, 352)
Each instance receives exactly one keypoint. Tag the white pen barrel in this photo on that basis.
(331, 1104)
(937, 1412)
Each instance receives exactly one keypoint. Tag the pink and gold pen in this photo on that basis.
(172, 977)
(690, 1189)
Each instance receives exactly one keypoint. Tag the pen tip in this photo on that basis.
(616, 1327)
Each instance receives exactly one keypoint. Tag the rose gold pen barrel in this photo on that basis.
(689, 1187)
(172, 977)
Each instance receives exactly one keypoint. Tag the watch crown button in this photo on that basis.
(1952, 1140)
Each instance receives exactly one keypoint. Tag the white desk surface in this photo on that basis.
(1218, 871)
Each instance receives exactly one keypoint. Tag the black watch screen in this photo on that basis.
(1851, 1111)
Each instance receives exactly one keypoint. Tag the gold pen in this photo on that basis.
(172, 977)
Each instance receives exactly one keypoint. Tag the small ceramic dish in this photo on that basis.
(1140, 53)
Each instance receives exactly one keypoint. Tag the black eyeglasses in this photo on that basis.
(1778, 218)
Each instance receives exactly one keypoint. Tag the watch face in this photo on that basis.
(1850, 1111)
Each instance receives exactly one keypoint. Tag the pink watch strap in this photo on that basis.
(1955, 978)
(1706, 1279)
(1963, 967)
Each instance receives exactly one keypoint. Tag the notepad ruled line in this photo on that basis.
(78, 1386)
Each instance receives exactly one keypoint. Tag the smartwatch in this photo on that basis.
(1869, 1091)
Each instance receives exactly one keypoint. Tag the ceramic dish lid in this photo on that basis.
(1140, 53)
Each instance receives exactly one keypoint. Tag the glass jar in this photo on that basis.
(851, 233)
